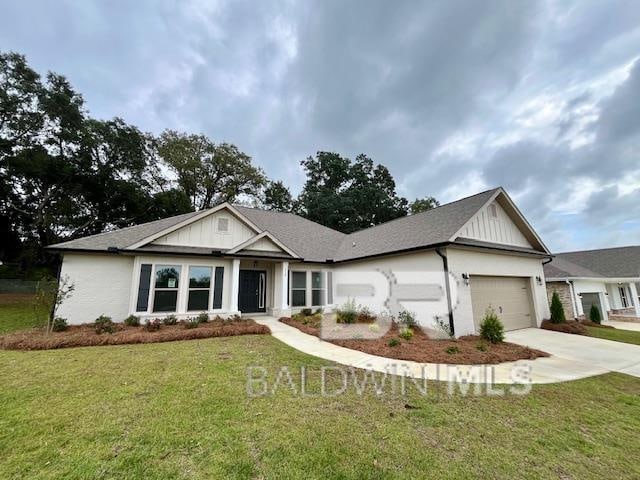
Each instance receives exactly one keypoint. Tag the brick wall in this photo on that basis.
(564, 292)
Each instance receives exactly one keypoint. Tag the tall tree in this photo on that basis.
(346, 195)
(422, 205)
(278, 197)
(209, 174)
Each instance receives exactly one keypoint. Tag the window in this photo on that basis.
(165, 298)
(298, 289)
(317, 289)
(623, 297)
(199, 288)
(223, 225)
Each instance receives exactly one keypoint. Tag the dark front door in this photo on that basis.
(252, 291)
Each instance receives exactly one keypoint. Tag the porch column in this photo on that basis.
(633, 293)
(284, 279)
(235, 282)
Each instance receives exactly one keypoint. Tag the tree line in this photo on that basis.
(65, 174)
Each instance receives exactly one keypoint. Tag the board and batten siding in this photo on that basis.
(264, 245)
(205, 233)
(499, 229)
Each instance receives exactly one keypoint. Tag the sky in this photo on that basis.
(540, 97)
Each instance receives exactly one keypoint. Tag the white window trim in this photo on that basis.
(306, 289)
(162, 289)
(323, 289)
(223, 232)
(210, 288)
(308, 298)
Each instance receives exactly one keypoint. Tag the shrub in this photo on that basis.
(365, 315)
(59, 324)
(203, 318)
(170, 320)
(191, 322)
(132, 321)
(394, 342)
(374, 327)
(491, 328)
(306, 312)
(594, 314)
(407, 318)
(557, 312)
(103, 324)
(482, 347)
(318, 311)
(152, 325)
(406, 333)
(443, 326)
(348, 312)
(298, 317)
(452, 350)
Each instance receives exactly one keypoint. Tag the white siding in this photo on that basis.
(589, 286)
(501, 229)
(204, 233)
(102, 286)
(264, 245)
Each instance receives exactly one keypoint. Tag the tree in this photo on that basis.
(209, 174)
(278, 197)
(422, 205)
(594, 314)
(50, 295)
(557, 311)
(346, 195)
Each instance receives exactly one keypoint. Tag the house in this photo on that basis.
(608, 278)
(447, 265)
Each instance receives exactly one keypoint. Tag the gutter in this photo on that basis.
(445, 267)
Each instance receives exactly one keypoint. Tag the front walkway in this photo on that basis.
(553, 369)
(633, 326)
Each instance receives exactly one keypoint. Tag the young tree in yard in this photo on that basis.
(209, 174)
(278, 197)
(594, 314)
(557, 312)
(422, 205)
(50, 295)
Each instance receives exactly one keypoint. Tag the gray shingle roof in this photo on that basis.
(620, 262)
(312, 241)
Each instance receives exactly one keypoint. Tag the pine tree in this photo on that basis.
(557, 312)
(594, 314)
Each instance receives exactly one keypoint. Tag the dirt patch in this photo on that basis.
(469, 350)
(589, 323)
(570, 326)
(85, 335)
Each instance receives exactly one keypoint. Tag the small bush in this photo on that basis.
(394, 342)
(306, 312)
(406, 333)
(132, 321)
(103, 324)
(557, 312)
(152, 325)
(59, 324)
(365, 315)
(298, 317)
(452, 350)
(348, 313)
(318, 311)
(407, 318)
(170, 320)
(482, 347)
(191, 322)
(374, 327)
(443, 326)
(203, 318)
(594, 314)
(491, 328)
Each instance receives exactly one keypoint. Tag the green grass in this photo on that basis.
(615, 334)
(17, 313)
(180, 410)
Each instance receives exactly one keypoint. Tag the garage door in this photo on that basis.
(510, 297)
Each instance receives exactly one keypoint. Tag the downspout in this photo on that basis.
(572, 292)
(445, 267)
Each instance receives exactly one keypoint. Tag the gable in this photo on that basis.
(209, 232)
(493, 224)
(264, 245)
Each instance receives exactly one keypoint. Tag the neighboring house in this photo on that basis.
(233, 259)
(608, 278)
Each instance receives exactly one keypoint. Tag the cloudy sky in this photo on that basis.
(541, 97)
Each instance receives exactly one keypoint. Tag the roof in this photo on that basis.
(311, 241)
(620, 262)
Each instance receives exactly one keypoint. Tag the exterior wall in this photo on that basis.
(566, 297)
(183, 284)
(590, 286)
(203, 233)
(380, 294)
(311, 267)
(102, 287)
(481, 263)
(501, 229)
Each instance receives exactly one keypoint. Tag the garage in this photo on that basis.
(510, 297)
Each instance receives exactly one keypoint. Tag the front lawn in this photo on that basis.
(17, 312)
(615, 334)
(181, 410)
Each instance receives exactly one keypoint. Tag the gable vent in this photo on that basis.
(223, 225)
(493, 211)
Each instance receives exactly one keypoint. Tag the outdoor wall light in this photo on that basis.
(539, 280)
(465, 277)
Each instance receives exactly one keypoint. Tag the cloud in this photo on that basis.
(454, 97)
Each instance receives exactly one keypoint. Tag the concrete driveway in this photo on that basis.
(581, 351)
(633, 326)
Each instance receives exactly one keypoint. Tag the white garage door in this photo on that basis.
(510, 297)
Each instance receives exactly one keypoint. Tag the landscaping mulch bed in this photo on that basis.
(571, 326)
(423, 349)
(85, 335)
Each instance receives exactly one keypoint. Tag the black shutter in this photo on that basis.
(288, 287)
(143, 287)
(329, 288)
(217, 287)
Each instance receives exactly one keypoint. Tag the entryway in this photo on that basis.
(252, 291)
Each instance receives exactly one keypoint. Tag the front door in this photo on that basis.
(252, 291)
